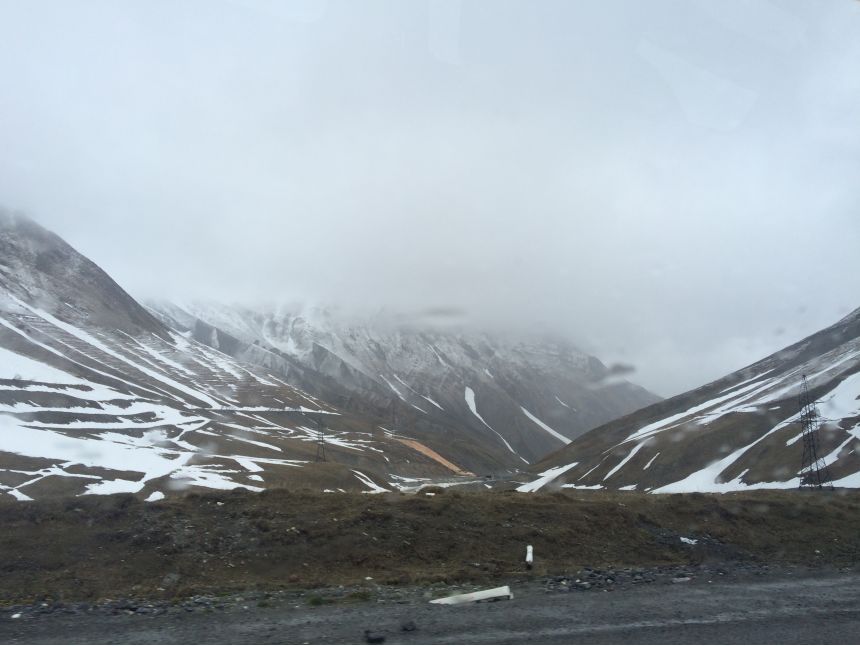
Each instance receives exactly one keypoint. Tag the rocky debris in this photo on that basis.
(591, 579)
(334, 623)
(106, 607)
(586, 580)
(373, 637)
(170, 580)
(230, 602)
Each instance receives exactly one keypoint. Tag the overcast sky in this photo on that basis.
(675, 185)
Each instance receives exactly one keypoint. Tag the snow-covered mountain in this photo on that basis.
(740, 432)
(98, 395)
(524, 396)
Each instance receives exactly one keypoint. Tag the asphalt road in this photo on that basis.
(787, 609)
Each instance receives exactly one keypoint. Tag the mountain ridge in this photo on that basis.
(520, 384)
(737, 432)
(100, 395)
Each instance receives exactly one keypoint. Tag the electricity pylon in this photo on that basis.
(320, 441)
(814, 473)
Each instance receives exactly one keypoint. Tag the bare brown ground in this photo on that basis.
(94, 547)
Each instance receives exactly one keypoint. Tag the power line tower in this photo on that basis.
(320, 441)
(814, 473)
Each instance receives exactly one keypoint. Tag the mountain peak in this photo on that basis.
(39, 270)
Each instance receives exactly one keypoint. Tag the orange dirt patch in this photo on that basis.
(430, 453)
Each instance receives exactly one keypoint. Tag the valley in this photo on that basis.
(100, 395)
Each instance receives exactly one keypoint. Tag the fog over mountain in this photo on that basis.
(671, 185)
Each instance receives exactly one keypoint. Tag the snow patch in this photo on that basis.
(650, 461)
(576, 486)
(374, 488)
(470, 401)
(433, 402)
(627, 459)
(563, 404)
(18, 366)
(91, 340)
(107, 487)
(552, 432)
(545, 477)
(248, 465)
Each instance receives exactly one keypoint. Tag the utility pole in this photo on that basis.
(320, 441)
(814, 473)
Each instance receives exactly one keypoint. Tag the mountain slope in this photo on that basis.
(98, 396)
(739, 432)
(524, 396)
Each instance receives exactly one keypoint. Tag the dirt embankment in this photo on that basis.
(108, 547)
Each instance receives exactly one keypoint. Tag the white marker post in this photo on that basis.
(529, 557)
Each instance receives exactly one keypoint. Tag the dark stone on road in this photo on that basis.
(373, 638)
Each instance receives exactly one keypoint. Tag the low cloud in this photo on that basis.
(667, 185)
